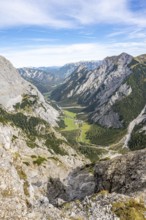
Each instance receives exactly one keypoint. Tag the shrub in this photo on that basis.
(129, 210)
(39, 160)
(53, 143)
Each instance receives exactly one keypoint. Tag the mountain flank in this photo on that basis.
(113, 96)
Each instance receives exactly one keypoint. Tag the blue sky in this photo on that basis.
(55, 32)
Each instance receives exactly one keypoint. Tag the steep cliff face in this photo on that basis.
(123, 174)
(18, 94)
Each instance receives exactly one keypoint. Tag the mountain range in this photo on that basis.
(45, 78)
(43, 175)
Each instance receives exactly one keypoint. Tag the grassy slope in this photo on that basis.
(76, 136)
(78, 129)
(104, 136)
(86, 133)
(83, 135)
(69, 120)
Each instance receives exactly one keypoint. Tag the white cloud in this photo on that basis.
(129, 33)
(28, 12)
(48, 55)
(67, 13)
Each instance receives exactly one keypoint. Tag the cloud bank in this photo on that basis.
(48, 55)
(68, 13)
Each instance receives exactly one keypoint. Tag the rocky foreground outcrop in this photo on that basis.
(119, 190)
(102, 192)
(125, 174)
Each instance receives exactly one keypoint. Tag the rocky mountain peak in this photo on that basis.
(120, 59)
(125, 58)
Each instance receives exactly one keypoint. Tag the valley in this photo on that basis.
(93, 141)
(68, 148)
(94, 119)
(73, 110)
(73, 123)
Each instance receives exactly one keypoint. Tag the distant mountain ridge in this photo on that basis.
(67, 69)
(41, 78)
(46, 77)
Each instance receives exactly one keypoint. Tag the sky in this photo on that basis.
(56, 32)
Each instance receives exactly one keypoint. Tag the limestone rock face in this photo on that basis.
(13, 88)
(125, 174)
(78, 184)
(96, 207)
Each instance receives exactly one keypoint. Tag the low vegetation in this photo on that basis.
(79, 131)
(69, 120)
(29, 125)
(93, 154)
(84, 128)
(129, 210)
(74, 129)
(71, 136)
(104, 136)
(54, 144)
(135, 102)
(138, 138)
(39, 160)
(27, 102)
(23, 177)
(137, 141)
